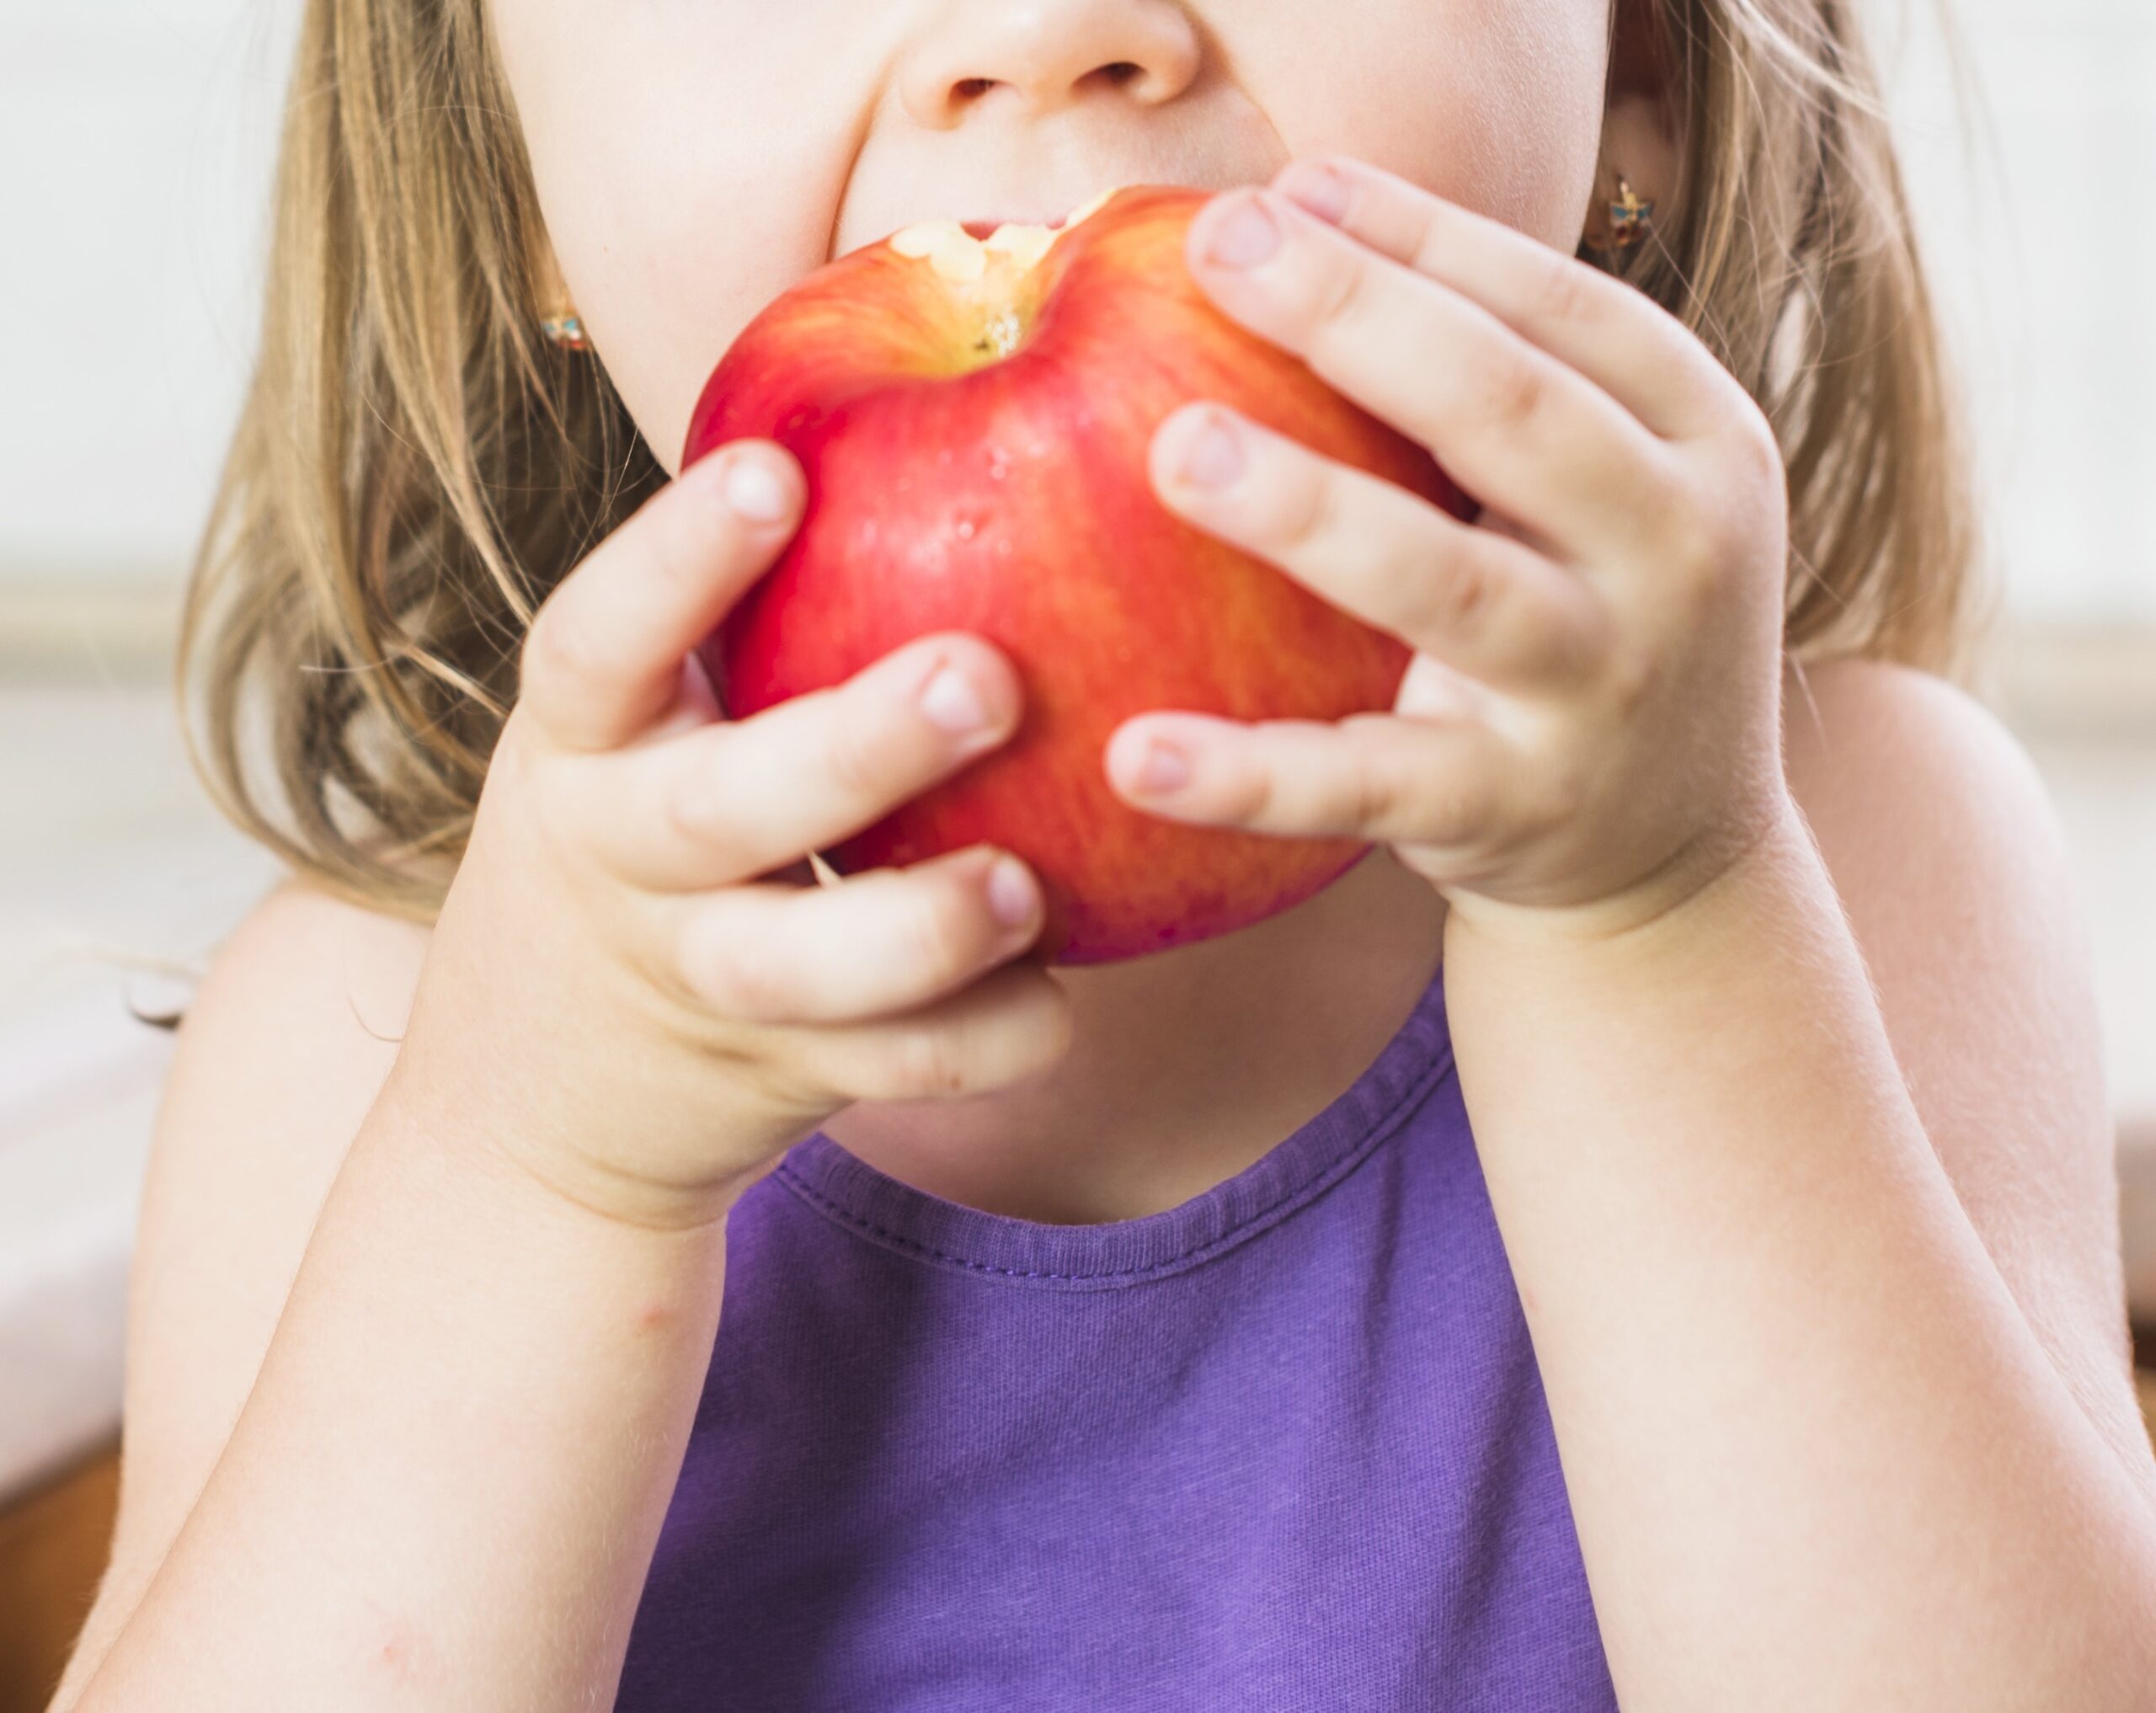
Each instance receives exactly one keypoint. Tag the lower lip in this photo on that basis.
(985, 229)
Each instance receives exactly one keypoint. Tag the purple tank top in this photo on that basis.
(1282, 1447)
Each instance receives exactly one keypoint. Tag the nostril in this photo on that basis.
(1116, 76)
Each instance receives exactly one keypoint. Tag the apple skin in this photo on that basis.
(976, 457)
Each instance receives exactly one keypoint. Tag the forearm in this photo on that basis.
(445, 1487)
(1816, 1456)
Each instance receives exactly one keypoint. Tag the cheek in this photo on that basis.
(665, 277)
(1547, 72)
(674, 211)
(1496, 105)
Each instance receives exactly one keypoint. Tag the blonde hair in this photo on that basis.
(414, 467)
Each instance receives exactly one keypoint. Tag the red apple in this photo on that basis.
(974, 421)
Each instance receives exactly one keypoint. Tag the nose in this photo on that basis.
(1047, 54)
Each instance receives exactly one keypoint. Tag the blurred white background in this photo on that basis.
(133, 243)
(139, 136)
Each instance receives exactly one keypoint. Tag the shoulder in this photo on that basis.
(1877, 750)
(323, 985)
(1950, 861)
(1955, 877)
(285, 1044)
(1941, 837)
(283, 1048)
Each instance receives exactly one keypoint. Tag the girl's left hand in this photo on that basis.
(1590, 727)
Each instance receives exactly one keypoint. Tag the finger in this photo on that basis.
(603, 657)
(736, 799)
(1373, 776)
(1012, 1023)
(887, 940)
(694, 705)
(1521, 431)
(1482, 602)
(1615, 335)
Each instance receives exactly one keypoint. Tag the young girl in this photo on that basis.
(1644, 1236)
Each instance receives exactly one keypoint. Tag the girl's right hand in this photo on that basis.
(617, 995)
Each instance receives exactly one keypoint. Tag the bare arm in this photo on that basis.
(1826, 1447)
(1821, 1276)
(444, 1487)
(286, 1044)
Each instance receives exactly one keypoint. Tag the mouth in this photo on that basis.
(962, 249)
(985, 229)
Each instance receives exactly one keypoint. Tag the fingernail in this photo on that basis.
(1165, 768)
(1215, 455)
(952, 702)
(1010, 893)
(753, 491)
(1245, 237)
(1320, 188)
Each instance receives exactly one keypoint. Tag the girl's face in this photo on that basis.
(696, 158)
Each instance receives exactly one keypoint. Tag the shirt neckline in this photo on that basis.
(999, 1249)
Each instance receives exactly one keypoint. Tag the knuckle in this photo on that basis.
(1432, 234)
(1458, 813)
(857, 757)
(743, 975)
(1458, 595)
(1563, 293)
(1693, 544)
(690, 808)
(1569, 635)
(692, 799)
(1514, 394)
(1372, 794)
(1037, 1014)
(787, 1076)
(926, 1061)
(939, 932)
(1388, 805)
(1346, 295)
(1254, 800)
(692, 539)
(1753, 438)
(515, 753)
(1312, 511)
(553, 648)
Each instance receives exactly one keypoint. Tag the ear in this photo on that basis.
(1639, 111)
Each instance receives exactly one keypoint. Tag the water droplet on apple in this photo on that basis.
(968, 527)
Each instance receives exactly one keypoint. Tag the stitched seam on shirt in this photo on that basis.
(1410, 1100)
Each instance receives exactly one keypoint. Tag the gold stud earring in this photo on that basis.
(558, 317)
(565, 328)
(1631, 216)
